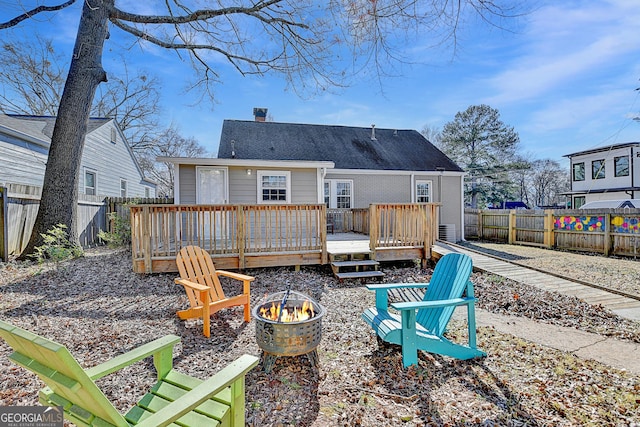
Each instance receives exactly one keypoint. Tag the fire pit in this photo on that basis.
(288, 324)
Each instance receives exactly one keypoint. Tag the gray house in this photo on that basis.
(343, 167)
(108, 166)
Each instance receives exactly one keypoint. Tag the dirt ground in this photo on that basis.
(99, 308)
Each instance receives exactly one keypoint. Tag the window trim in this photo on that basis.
(126, 187)
(429, 182)
(615, 165)
(262, 173)
(333, 196)
(95, 181)
(573, 205)
(600, 171)
(573, 172)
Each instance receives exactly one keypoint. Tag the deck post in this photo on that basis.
(373, 228)
(145, 226)
(323, 234)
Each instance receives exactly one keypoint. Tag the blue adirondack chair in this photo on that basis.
(421, 325)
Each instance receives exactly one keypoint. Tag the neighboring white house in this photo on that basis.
(606, 173)
(108, 166)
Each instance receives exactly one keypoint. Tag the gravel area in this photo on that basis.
(618, 273)
(99, 308)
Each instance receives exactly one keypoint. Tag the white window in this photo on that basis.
(274, 187)
(113, 135)
(146, 192)
(338, 193)
(123, 188)
(423, 191)
(89, 183)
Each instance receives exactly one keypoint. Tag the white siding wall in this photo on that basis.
(610, 180)
(187, 184)
(112, 163)
(25, 163)
(20, 162)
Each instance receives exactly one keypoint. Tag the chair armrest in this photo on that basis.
(387, 286)
(431, 304)
(231, 373)
(234, 275)
(193, 285)
(161, 344)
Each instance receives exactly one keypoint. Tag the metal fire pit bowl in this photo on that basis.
(288, 338)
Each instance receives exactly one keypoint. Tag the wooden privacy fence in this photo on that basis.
(19, 207)
(606, 231)
(237, 236)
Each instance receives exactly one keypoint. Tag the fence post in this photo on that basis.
(479, 230)
(512, 227)
(548, 228)
(607, 234)
(4, 235)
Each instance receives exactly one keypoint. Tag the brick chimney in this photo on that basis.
(260, 114)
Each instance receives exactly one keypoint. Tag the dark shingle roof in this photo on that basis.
(348, 147)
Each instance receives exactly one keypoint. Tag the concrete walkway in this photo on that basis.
(614, 353)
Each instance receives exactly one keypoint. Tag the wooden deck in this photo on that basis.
(253, 236)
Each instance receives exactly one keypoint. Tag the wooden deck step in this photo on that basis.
(358, 274)
(356, 263)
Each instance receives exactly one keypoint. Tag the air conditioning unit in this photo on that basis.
(447, 232)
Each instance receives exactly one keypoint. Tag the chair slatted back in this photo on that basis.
(195, 264)
(60, 371)
(449, 280)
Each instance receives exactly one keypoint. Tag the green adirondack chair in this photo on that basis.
(176, 399)
(421, 325)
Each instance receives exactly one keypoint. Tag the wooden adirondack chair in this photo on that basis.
(421, 325)
(200, 279)
(188, 401)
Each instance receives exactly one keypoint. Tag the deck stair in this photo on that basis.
(355, 266)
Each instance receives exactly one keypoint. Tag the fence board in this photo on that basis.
(19, 207)
(606, 231)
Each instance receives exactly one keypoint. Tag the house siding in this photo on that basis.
(112, 163)
(21, 164)
(243, 188)
(24, 162)
(187, 182)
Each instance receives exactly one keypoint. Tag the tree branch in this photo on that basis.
(29, 14)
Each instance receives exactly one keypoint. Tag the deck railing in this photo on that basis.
(234, 234)
(403, 225)
(249, 236)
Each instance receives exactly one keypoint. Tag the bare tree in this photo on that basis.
(432, 133)
(32, 80)
(169, 143)
(303, 40)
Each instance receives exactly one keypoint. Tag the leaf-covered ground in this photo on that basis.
(98, 308)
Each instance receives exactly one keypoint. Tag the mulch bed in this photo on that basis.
(99, 308)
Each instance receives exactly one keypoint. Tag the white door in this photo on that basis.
(211, 189)
(212, 186)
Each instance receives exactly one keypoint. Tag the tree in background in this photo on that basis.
(169, 143)
(547, 180)
(432, 134)
(303, 40)
(480, 143)
(32, 79)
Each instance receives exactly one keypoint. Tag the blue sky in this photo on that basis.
(564, 77)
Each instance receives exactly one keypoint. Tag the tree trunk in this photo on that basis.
(59, 201)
